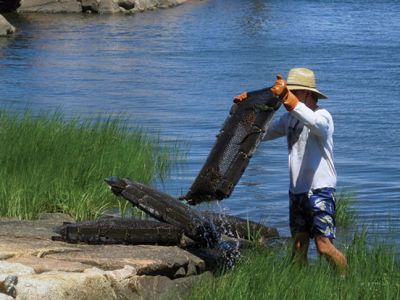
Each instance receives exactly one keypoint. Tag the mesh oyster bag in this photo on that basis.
(236, 142)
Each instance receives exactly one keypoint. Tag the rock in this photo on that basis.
(90, 5)
(96, 6)
(63, 285)
(98, 284)
(169, 3)
(50, 6)
(161, 287)
(100, 6)
(108, 6)
(120, 274)
(191, 269)
(34, 267)
(6, 255)
(40, 265)
(181, 272)
(5, 27)
(28, 242)
(9, 273)
(15, 269)
(146, 259)
(5, 297)
(8, 285)
(38, 229)
(142, 5)
(127, 4)
(15, 246)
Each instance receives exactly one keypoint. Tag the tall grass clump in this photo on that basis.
(345, 208)
(270, 274)
(49, 164)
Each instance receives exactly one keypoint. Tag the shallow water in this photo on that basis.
(176, 71)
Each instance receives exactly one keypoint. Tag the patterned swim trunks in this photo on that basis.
(313, 213)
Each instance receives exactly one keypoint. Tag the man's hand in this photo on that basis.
(240, 98)
(281, 90)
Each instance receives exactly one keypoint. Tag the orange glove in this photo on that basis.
(240, 98)
(281, 90)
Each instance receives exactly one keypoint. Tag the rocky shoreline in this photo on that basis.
(78, 6)
(32, 266)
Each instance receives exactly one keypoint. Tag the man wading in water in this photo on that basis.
(309, 131)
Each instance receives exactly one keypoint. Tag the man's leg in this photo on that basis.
(323, 208)
(300, 247)
(326, 248)
(299, 227)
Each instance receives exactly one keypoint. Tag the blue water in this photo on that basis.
(176, 71)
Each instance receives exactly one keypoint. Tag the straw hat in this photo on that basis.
(303, 79)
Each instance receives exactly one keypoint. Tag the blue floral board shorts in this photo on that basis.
(313, 212)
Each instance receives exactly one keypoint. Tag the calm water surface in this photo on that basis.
(176, 71)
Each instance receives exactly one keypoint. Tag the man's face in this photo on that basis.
(306, 97)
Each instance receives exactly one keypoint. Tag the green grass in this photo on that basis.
(49, 164)
(345, 208)
(270, 274)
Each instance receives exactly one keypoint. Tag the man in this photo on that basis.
(309, 131)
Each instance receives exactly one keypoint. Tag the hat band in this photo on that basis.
(302, 85)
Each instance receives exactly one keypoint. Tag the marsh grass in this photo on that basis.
(49, 164)
(345, 213)
(270, 274)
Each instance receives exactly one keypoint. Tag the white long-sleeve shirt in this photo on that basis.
(310, 144)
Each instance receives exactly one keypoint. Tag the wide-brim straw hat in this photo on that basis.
(303, 79)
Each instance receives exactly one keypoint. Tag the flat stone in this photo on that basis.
(40, 265)
(5, 255)
(50, 6)
(5, 297)
(146, 259)
(161, 287)
(94, 284)
(29, 243)
(16, 269)
(16, 246)
(37, 229)
(46, 269)
(120, 274)
(63, 285)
